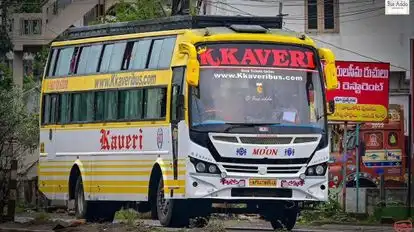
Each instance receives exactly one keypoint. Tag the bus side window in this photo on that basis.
(112, 57)
(88, 59)
(155, 103)
(161, 53)
(139, 55)
(65, 100)
(50, 109)
(52, 62)
(63, 62)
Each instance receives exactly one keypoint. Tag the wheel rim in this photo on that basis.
(163, 204)
(80, 202)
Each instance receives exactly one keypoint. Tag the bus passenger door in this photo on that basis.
(177, 101)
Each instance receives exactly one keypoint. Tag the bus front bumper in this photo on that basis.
(205, 186)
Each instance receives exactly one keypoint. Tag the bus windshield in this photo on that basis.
(258, 84)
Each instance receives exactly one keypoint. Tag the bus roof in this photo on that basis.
(167, 23)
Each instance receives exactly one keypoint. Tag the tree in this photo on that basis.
(141, 10)
(19, 132)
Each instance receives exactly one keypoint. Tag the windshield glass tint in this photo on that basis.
(257, 83)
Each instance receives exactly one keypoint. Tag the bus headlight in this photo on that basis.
(311, 171)
(200, 167)
(319, 170)
(204, 167)
(212, 168)
(316, 170)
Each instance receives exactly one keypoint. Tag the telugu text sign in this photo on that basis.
(362, 93)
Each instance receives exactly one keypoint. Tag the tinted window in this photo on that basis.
(155, 53)
(154, 105)
(89, 58)
(130, 104)
(82, 107)
(52, 62)
(65, 108)
(64, 61)
(46, 109)
(106, 58)
(99, 105)
(111, 105)
(166, 51)
(112, 57)
(54, 101)
(139, 54)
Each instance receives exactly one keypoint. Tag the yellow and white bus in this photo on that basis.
(182, 112)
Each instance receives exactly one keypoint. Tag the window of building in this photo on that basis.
(322, 15)
(31, 27)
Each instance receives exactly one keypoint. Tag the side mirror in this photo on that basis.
(193, 66)
(331, 107)
(329, 68)
(180, 107)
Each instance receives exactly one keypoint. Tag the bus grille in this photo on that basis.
(255, 169)
(264, 140)
(270, 140)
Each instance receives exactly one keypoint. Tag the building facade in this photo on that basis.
(354, 30)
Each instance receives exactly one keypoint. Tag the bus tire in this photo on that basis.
(285, 220)
(82, 210)
(171, 212)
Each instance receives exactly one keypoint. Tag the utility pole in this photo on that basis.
(281, 15)
(281, 9)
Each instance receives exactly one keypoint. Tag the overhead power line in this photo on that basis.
(331, 44)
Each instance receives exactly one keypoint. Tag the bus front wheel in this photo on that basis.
(284, 220)
(171, 212)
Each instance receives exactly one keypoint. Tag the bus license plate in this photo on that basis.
(262, 182)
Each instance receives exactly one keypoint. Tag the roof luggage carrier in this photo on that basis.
(167, 23)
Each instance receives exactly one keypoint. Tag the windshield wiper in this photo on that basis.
(241, 125)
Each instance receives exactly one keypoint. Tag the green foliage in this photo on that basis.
(6, 44)
(30, 6)
(39, 63)
(138, 10)
(327, 212)
(6, 81)
(215, 226)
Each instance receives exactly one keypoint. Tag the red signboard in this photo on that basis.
(362, 93)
